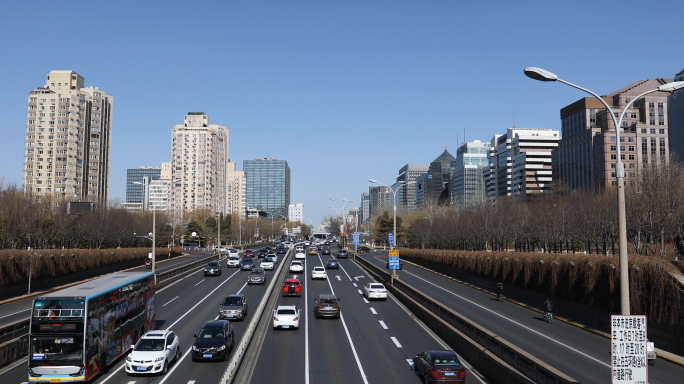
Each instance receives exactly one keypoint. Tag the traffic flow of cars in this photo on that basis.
(153, 353)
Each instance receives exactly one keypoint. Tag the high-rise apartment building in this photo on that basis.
(68, 140)
(199, 159)
(406, 196)
(466, 185)
(587, 154)
(236, 185)
(520, 162)
(364, 208)
(268, 185)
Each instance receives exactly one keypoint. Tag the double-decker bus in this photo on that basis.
(77, 331)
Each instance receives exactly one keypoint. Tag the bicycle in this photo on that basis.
(500, 297)
(548, 317)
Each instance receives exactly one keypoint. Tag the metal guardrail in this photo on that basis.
(14, 336)
(486, 351)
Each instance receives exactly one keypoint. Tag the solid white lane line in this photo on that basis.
(306, 336)
(24, 310)
(373, 310)
(383, 324)
(200, 283)
(170, 301)
(396, 342)
(351, 343)
(345, 271)
(514, 322)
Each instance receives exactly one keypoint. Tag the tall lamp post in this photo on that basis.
(344, 217)
(394, 203)
(544, 75)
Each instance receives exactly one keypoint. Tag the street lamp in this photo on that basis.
(544, 75)
(344, 217)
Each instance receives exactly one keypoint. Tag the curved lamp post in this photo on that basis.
(544, 75)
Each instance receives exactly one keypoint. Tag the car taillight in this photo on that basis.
(295, 319)
(319, 306)
(337, 307)
(275, 318)
(461, 373)
(435, 373)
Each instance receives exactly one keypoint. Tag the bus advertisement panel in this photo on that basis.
(77, 331)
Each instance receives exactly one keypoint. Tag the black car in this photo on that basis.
(281, 250)
(342, 253)
(363, 248)
(214, 341)
(332, 263)
(246, 264)
(212, 268)
(263, 252)
(326, 251)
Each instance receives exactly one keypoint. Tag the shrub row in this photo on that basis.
(592, 280)
(15, 264)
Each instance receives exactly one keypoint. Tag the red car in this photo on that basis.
(248, 253)
(292, 287)
(438, 366)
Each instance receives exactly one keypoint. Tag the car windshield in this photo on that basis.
(150, 345)
(286, 312)
(231, 301)
(248, 261)
(328, 301)
(211, 333)
(58, 349)
(213, 264)
(233, 258)
(268, 260)
(445, 360)
(256, 272)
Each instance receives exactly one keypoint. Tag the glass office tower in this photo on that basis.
(268, 186)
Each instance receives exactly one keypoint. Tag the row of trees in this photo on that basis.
(561, 221)
(42, 224)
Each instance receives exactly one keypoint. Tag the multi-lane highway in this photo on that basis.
(582, 355)
(371, 343)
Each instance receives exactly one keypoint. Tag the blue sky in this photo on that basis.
(343, 90)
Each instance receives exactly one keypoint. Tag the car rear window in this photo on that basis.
(231, 301)
(377, 286)
(445, 360)
(286, 312)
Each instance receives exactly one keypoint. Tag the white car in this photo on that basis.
(233, 252)
(299, 248)
(319, 273)
(374, 291)
(267, 263)
(286, 316)
(233, 261)
(296, 266)
(300, 255)
(153, 353)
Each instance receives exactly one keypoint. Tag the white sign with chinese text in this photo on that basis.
(628, 352)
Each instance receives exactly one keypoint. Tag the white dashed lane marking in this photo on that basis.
(373, 310)
(383, 324)
(396, 342)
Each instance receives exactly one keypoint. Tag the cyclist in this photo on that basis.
(547, 307)
(499, 290)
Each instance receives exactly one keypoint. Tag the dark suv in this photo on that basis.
(233, 307)
(212, 268)
(327, 305)
(214, 341)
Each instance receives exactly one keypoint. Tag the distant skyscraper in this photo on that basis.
(520, 162)
(379, 201)
(432, 187)
(268, 185)
(68, 140)
(137, 186)
(364, 208)
(406, 196)
(466, 184)
(199, 158)
(675, 117)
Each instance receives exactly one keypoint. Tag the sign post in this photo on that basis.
(628, 349)
(394, 262)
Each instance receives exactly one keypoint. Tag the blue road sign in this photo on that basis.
(394, 262)
(391, 238)
(356, 238)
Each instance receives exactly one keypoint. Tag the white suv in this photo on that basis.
(153, 353)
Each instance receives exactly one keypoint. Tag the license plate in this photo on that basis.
(208, 355)
(230, 315)
(141, 368)
(286, 326)
(449, 374)
(328, 307)
(55, 380)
